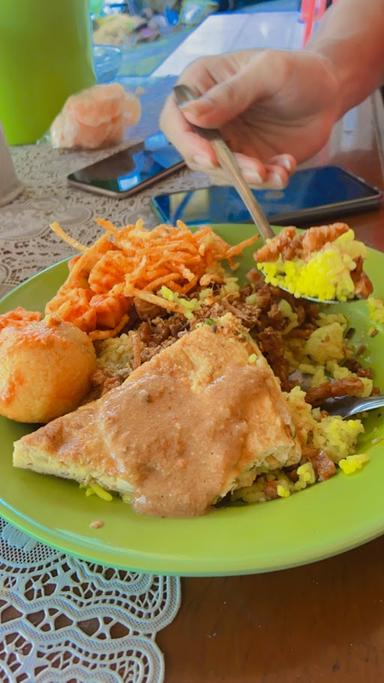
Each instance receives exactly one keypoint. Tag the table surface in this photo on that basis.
(318, 623)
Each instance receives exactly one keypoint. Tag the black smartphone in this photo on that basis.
(312, 194)
(131, 170)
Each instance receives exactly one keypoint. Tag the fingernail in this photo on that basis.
(276, 180)
(198, 107)
(253, 176)
(187, 104)
(286, 162)
(184, 105)
(203, 160)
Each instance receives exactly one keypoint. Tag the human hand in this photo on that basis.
(273, 108)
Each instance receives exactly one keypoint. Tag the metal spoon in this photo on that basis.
(346, 406)
(228, 162)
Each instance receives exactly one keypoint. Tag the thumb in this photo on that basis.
(224, 101)
(260, 77)
(220, 104)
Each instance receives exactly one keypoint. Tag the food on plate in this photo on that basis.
(18, 317)
(67, 448)
(181, 432)
(376, 309)
(324, 262)
(133, 263)
(353, 463)
(205, 390)
(309, 351)
(45, 369)
(302, 344)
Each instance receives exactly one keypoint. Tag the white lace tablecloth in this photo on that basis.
(66, 611)
(60, 615)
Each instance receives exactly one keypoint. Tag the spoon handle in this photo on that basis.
(369, 403)
(229, 163)
(346, 406)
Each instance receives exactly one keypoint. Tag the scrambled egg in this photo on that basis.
(353, 463)
(376, 309)
(326, 275)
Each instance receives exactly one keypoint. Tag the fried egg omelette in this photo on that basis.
(200, 419)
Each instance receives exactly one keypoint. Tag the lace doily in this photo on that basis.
(62, 619)
(60, 616)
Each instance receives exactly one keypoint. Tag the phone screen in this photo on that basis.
(132, 167)
(310, 193)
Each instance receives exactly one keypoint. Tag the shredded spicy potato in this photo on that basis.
(132, 262)
(18, 317)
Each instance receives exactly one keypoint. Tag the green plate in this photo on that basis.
(326, 519)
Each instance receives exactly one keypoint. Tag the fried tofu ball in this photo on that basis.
(45, 370)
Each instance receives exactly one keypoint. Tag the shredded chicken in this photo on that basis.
(363, 285)
(263, 318)
(349, 386)
(315, 239)
(271, 345)
(270, 490)
(145, 310)
(354, 366)
(281, 245)
(159, 333)
(322, 464)
(102, 382)
(137, 349)
(290, 244)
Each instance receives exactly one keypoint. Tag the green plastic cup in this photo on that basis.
(45, 56)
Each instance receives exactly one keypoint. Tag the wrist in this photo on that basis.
(334, 76)
(354, 66)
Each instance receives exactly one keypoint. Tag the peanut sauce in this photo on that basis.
(179, 448)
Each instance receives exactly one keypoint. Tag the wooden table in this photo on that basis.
(318, 623)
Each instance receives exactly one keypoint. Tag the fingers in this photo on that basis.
(273, 175)
(226, 86)
(224, 100)
(191, 146)
(221, 103)
(198, 75)
(244, 83)
(195, 150)
(252, 169)
(279, 169)
(286, 161)
(200, 156)
(277, 177)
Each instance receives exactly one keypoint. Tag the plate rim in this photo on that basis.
(37, 532)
